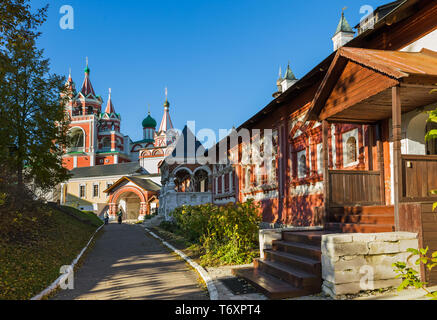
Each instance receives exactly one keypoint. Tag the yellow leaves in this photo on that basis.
(31, 264)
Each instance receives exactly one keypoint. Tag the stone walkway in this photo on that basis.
(126, 264)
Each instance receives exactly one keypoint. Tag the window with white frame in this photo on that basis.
(82, 190)
(247, 178)
(350, 148)
(302, 164)
(95, 190)
(319, 158)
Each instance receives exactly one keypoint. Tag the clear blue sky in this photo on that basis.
(219, 58)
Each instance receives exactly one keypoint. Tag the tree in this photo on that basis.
(33, 124)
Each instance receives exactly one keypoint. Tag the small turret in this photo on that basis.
(166, 123)
(278, 85)
(289, 79)
(149, 126)
(343, 33)
(87, 87)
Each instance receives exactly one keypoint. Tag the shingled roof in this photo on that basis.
(145, 184)
(120, 169)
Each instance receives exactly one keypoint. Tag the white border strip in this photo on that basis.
(61, 278)
(213, 293)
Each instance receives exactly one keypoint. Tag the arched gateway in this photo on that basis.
(134, 196)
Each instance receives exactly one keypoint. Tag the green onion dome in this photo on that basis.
(149, 122)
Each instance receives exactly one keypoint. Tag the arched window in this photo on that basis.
(76, 139)
(183, 181)
(247, 178)
(272, 173)
(106, 143)
(351, 150)
(201, 181)
(320, 159)
(302, 166)
(89, 110)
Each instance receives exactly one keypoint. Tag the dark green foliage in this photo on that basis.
(33, 124)
(228, 234)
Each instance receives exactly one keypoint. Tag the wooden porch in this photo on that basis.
(368, 87)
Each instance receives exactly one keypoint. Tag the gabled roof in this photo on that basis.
(386, 68)
(128, 168)
(145, 184)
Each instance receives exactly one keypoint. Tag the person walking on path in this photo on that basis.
(106, 217)
(120, 213)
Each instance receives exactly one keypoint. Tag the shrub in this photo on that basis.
(228, 234)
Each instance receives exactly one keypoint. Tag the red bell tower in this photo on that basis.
(95, 135)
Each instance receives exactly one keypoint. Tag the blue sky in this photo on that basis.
(218, 58)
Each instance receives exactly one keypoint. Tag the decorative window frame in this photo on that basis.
(319, 156)
(98, 190)
(345, 136)
(299, 156)
(84, 190)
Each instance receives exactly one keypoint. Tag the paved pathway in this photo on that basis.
(125, 263)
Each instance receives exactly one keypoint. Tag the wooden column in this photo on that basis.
(370, 131)
(325, 149)
(380, 158)
(397, 170)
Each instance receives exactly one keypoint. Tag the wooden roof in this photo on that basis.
(145, 184)
(357, 85)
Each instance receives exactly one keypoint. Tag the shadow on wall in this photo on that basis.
(269, 210)
(301, 210)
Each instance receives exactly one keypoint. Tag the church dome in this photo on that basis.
(149, 122)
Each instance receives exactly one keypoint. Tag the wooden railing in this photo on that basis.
(354, 187)
(419, 177)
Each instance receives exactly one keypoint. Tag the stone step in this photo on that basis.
(308, 237)
(270, 286)
(297, 278)
(302, 263)
(301, 249)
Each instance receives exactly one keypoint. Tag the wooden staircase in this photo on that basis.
(292, 268)
(365, 219)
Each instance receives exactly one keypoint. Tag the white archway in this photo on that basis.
(415, 134)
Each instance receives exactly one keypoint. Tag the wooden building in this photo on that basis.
(351, 151)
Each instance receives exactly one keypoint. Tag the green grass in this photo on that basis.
(35, 241)
(85, 216)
